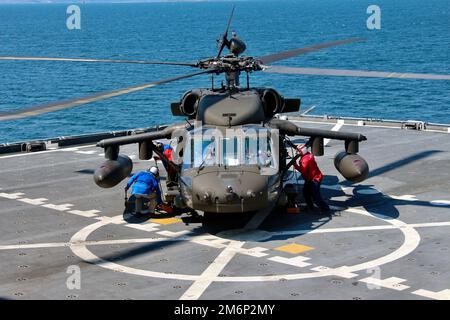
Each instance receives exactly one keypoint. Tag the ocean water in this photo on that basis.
(414, 37)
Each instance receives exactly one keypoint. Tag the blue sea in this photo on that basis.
(414, 37)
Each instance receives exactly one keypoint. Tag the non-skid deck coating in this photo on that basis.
(388, 239)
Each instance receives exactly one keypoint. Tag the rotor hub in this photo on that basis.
(231, 63)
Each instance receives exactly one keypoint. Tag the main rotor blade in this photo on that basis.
(295, 52)
(225, 34)
(355, 73)
(189, 64)
(229, 20)
(33, 111)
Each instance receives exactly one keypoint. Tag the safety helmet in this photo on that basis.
(154, 171)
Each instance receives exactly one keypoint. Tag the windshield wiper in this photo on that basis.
(202, 165)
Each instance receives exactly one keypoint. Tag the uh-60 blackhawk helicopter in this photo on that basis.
(231, 151)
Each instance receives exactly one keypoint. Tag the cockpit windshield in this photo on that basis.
(258, 151)
(202, 152)
(245, 146)
(230, 152)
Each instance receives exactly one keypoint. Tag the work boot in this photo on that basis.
(165, 208)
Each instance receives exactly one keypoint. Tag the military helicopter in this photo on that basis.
(218, 171)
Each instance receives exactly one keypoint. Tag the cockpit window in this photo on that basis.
(257, 151)
(209, 152)
(202, 152)
(230, 154)
(246, 146)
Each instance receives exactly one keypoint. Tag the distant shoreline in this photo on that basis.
(112, 2)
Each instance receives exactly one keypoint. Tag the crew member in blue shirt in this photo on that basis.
(145, 185)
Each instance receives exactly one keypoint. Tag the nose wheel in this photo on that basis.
(289, 198)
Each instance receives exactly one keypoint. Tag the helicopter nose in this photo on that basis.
(230, 192)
